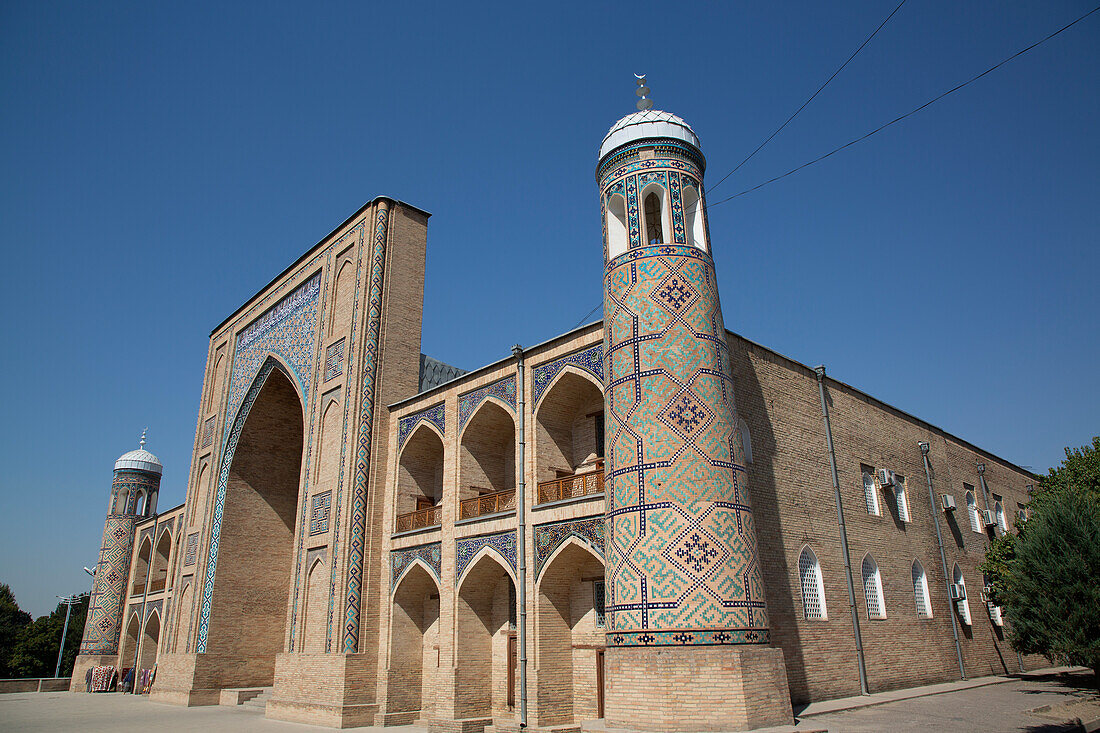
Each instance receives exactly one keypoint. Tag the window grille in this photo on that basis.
(813, 589)
(872, 589)
(999, 512)
(902, 498)
(599, 602)
(972, 509)
(920, 591)
(870, 495)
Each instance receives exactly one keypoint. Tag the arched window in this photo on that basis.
(920, 591)
(870, 495)
(693, 218)
(813, 589)
(617, 239)
(872, 589)
(746, 439)
(654, 234)
(902, 498)
(962, 604)
(999, 512)
(972, 510)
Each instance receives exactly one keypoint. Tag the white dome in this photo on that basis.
(140, 459)
(647, 123)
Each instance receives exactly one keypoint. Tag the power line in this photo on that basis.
(907, 114)
(780, 128)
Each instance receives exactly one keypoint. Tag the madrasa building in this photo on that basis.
(650, 519)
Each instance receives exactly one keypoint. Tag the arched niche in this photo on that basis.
(414, 643)
(485, 617)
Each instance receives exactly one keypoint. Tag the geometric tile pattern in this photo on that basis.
(549, 537)
(502, 543)
(682, 562)
(589, 360)
(286, 329)
(357, 535)
(318, 513)
(436, 415)
(334, 360)
(104, 622)
(430, 554)
(504, 390)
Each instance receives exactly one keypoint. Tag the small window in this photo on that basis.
(999, 513)
(972, 509)
(653, 232)
(920, 591)
(513, 606)
(872, 589)
(617, 240)
(693, 218)
(746, 439)
(870, 494)
(813, 589)
(902, 498)
(599, 602)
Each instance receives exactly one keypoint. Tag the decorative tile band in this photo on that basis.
(664, 147)
(504, 390)
(681, 553)
(430, 554)
(549, 537)
(589, 360)
(436, 415)
(502, 543)
(104, 620)
(357, 539)
(688, 637)
(318, 513)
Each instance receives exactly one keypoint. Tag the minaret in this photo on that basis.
(133, 497)
(687, 640)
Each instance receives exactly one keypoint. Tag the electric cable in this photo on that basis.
(780, 128)
(954, 89)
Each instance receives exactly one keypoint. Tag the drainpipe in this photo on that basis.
(943, 557)
(521, 540)
(820, 371)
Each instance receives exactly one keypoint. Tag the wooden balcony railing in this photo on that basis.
(569, 487)
(497, 501)
(138, 589)
(156, 586)
(419, 519)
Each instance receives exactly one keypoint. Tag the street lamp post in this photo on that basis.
(68, 601)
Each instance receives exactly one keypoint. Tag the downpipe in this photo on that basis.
(521, 540)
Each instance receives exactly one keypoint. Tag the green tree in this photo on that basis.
(1047, 575)
(12, 621)
(35, 653)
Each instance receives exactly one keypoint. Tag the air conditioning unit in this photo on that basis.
(948, 502)
(958, 592)
(988, 518)
(886, 477)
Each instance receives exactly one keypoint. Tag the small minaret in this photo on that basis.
(688, 630)
(133, 497)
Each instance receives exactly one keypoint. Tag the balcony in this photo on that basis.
(571, 487)
(156, 586)
(489, 503)
(138, 589)
(428, 517)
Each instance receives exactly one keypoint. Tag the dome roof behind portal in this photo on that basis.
(140, 459)
(647, 123)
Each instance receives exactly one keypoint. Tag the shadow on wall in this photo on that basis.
(764, 495)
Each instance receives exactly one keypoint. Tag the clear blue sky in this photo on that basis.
(162, 162)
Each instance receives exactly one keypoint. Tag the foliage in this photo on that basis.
(35, 653)
(1046, 574)
(12, 621)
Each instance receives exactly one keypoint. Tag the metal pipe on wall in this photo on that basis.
(924, 447)
(820, 371)
(521, 539)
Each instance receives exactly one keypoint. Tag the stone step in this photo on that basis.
(259, 701)
(242, 695)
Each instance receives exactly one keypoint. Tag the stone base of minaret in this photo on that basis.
(83, 663)
(696, 688)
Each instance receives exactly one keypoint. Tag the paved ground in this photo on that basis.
(1000, 707)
